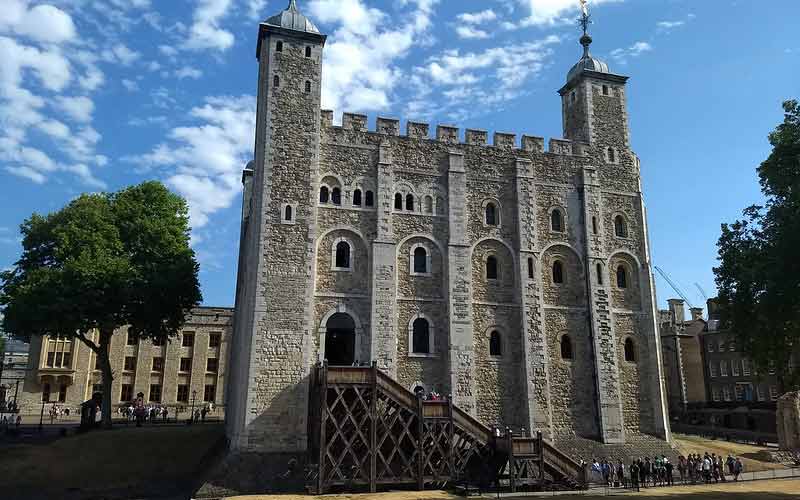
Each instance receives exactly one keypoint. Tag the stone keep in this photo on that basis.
(514, 278)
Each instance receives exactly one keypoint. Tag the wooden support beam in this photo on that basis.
(373, 435)
(420, 443)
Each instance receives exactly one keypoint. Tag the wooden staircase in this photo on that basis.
(368, 431)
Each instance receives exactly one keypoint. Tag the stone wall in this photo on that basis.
(788, 420)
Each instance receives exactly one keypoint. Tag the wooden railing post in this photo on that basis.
(540, 444)
(373, 431)
(451, 454)
(420, 443)
(512, 464)
(323, 415)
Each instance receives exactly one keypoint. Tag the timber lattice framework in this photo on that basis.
(368, 431)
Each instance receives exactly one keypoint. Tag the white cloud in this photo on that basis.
(78, 108)
(205, 32)
(668, 25)
(477, 17)
(42, 23)
(468, 32)
(130, 85)
(548, 12)
(453, 82)
(203, 161)
(361, 55)
(255, 9)
(168, 50)
(121, 54)
(622, 55)
(188, 72)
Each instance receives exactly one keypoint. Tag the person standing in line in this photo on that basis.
(707, 469)
(668, 469)
(635, 475)
(738, 467)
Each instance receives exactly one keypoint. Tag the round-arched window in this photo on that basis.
(491, 214)
(622, 277)
(343, 255)
(620, 228)
(566, 347)
(491, 268)
(630, 350)
(557, 221)
(421, 334)
(558, 272)
(495, 344)
(420, 260)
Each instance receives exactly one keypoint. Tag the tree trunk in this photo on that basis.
(105, 367)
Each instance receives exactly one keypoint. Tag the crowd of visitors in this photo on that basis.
(156, 412)
(644, 472)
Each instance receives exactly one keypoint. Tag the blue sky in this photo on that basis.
(100, 94)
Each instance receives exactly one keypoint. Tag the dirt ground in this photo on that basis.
(748, 453)
(754, 490)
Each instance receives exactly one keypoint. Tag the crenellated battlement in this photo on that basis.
(451, 134)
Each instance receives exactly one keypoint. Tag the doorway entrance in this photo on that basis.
(340, 340)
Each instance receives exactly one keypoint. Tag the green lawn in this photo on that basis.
(121, 463)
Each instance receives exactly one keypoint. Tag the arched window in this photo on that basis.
(343, 255)
(599, 274)
(398, 201)
(357, 197)
(594, 225)
(558, 272)
(410, 202)
(287, 213)
(612, 156)
(336, 196)
(308, 87)
(420, 260)
(323, 194)
(622, 277)
(566, 347)
(495, 344)
(428, 205)
(605, 89)
(421, 336)
(368, 199)
(556, 221)
(276, 81)
(308, 51)
(530, 267)
(491, 214)
(279, 47)
(491, 268)
(620, 228)
(630, 350)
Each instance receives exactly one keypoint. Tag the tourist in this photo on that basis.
(730, 462)
(621, 475)
(646, 471)
(164, 413)
(635, 475)
(203, 413)
(668, 470)
(682, 468)
(606, 472)
(738, 467)
(707, 469)
(19, 420)
(714, 468)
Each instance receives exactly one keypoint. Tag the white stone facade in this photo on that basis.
(480, 273)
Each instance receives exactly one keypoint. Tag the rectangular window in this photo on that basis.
(155, 393)
(746, 367)
(186, 364)
(723, 368)
(126, 394)
(62, 393)
(726, 393)
(46, 393)
(67, 360)
(130, 363)
(209, 393)
(773, 393)
(59, 359)
(188, 339)
(732, 346)
(735, 367)
(739, 392)
(214, 340)
(760, 391)
(183, 394)
(131, 339)
(212, 364)
(712, 369)
(772, 367)
(715, 393)
(711, 346)
(51, 358)
(158, 364)
(721, 346)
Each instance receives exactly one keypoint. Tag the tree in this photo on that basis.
(759, 259)
(104, 262)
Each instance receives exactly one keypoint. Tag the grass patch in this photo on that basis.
(137, 461)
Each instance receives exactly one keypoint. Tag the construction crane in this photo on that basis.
(674, 286)
(702, 292)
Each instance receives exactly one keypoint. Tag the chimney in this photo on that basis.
(676, 308)
(713, 309)
(696, 312)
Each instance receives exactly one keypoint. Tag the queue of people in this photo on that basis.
(660, 471)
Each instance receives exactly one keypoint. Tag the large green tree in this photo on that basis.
(759, 272)
(104, 262)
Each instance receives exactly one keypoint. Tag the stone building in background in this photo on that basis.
(682, 355)
(64, 372)
(513, 276)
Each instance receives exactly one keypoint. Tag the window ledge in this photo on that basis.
(423, 275)
(422, 355)
(342, 269)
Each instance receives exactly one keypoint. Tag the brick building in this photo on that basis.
(515, 278)
(682, 355)
(64, 371)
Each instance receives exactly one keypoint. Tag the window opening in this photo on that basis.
(420, 336)
(566, 347)
(398, 201)
(357, 197)
(491, 268)
(323, 194)
(599, 274)
(368, 199)
(491, 214)
(558, 272)
(556, 221)
(336, 196)
(630, 353)
(495, 345)
(343, 255)
(410, 202)
(287, 213)
(420, 260)
(622, 278)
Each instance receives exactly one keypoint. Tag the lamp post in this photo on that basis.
(191, 413)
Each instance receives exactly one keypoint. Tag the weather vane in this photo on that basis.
(585, 19)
